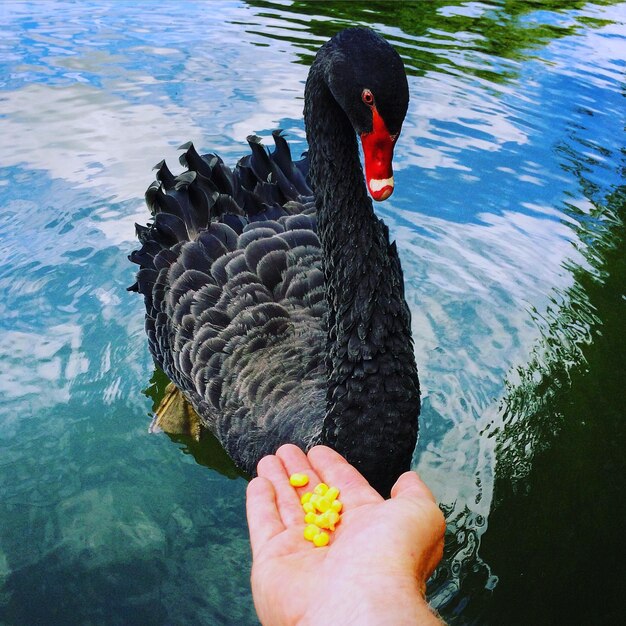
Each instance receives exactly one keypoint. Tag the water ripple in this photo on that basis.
(506, 213)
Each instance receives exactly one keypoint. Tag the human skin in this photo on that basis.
(373, 571)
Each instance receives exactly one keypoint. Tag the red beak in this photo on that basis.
(378, 152)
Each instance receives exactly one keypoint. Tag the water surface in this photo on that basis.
(509, 215)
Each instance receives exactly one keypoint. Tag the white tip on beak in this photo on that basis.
(376, 184)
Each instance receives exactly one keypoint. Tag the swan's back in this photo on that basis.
(234, 294)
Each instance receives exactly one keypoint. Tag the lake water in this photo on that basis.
(509, 214)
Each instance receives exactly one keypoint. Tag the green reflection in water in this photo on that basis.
(557, 521)
(480, 39)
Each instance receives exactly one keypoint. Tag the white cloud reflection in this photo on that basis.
(41, 364)
(88, 136)
(470, 287)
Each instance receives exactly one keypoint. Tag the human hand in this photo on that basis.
(375, 568)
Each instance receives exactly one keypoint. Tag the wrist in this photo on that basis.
(400, 604)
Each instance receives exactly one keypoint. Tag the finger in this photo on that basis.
(295, 461)
(336, 471)
(410, 485)
(264, 520)
(287, 500)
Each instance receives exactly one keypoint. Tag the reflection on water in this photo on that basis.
(560, 446)
(508, 212)
(477, 38)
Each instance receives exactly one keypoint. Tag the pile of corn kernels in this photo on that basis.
(321, 508)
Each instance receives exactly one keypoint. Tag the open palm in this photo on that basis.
(378, 559)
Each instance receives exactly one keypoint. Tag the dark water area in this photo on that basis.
(509, 215)
(556, 522)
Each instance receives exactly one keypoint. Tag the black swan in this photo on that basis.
(274, 300)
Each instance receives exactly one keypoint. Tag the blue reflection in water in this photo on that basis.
(100, 521)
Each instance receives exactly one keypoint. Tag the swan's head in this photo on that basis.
(367, 78)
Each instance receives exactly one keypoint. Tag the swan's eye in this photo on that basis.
(368, 97)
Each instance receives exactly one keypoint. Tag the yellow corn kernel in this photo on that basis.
(332, 494)
(310, 518)
(323, 521)
(311, 531)
(321, 489)
(328, 520)
(322, 505)
(308, 507)
(336, 505)
(333, 518)
(305, 497)
(321, 539)
(298, 480)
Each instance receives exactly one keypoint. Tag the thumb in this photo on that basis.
(429, 522)
(411, 486)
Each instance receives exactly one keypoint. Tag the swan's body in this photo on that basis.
(280, 315)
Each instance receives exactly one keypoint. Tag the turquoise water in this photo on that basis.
(509, 213)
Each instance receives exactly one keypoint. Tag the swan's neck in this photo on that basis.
(373, 391)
